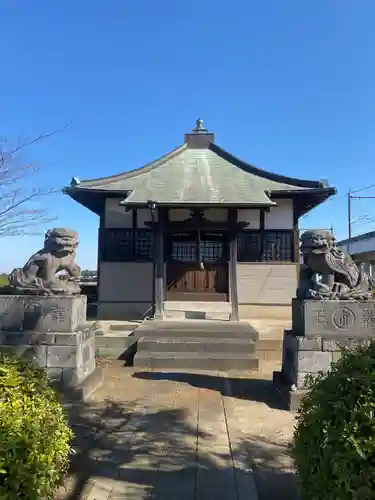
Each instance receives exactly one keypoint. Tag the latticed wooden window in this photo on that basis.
(249, 246)
(127, 245)
(211, 251)
(278, 246)
(143, 245)
(182, 247)
(267, 246)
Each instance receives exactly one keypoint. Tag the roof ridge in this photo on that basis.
(134, 172)
(303, 183)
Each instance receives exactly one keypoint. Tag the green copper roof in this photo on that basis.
(203, 176)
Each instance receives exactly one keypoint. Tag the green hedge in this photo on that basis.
(334, 442)
(34, 434)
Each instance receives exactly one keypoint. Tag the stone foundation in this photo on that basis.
(67, 357)
(305, 357)
(320, 331)
(52, 332)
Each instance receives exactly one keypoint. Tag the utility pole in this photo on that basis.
(349, 220)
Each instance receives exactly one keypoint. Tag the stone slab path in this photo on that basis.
(192, 436)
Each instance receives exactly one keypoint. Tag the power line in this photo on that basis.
(350, 219)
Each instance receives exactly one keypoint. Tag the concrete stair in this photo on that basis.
(181, 310)
(118, 340)
(196, 328)
(194, 344)
(189, 361)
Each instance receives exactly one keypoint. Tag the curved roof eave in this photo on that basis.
(302, 183)
(88, 183)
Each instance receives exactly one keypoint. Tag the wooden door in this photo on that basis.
(197, 268)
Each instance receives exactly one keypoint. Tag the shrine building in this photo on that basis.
(197, 230)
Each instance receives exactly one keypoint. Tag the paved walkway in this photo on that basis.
(164, 435)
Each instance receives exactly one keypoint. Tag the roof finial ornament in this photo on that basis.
(199, 129)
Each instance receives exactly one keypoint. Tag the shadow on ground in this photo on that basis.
(157, 452)
(262, 391)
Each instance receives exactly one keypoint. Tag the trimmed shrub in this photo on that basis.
(34, 434)
(334, 441)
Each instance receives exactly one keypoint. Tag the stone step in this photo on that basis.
(196, 345)
(180, 310)
(196, 328)
(185, 315)
(182, 305)
(115, 346)
(123, 327)
(196, 361)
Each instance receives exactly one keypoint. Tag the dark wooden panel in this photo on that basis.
(188, 277)
(197, 296)
(197, 264)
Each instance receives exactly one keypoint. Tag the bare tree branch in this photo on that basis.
(19, 212)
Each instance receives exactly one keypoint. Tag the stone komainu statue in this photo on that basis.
(329, 272)
(38, 276)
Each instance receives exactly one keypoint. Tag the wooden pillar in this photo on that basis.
(159, 266)
(233, 291)
(296, 252)
(101, 246)
(262, 224)
(296, 245)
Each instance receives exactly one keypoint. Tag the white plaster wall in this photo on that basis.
(179, 214)
(249, 215)
(115, 215)
(280, 216)
(125, 281)
(216, 214)
(266, 283)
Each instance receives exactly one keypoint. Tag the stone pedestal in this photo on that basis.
(32, 313)
(52, 332)
(320, 331)
(333, 317)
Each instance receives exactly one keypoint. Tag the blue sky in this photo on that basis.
(287, 85)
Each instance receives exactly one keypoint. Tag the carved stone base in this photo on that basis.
(334, 317)
(42, 314)
(52, 332)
